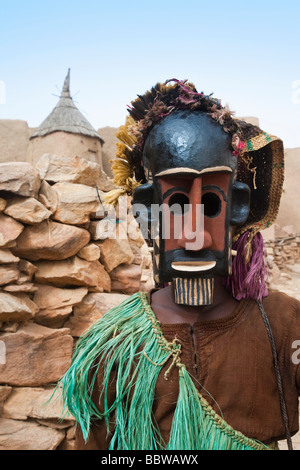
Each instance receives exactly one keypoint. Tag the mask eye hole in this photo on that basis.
(178, 204)
(212, 204)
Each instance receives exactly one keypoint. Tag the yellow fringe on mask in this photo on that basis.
(124, 178)
(122, 151)
(124, 135)
(123, 173)
(113, 196)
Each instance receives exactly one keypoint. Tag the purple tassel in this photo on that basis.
(248, 280)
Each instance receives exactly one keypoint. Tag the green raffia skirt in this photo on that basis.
(130, 334)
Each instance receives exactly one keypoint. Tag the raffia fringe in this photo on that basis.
(128, 340)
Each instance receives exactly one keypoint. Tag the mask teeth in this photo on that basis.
(194, 292)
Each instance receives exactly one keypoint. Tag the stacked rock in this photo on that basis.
(284, 251)
(65, 259)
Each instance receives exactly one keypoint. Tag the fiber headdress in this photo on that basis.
(260, 165)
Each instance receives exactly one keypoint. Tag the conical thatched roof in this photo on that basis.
(66, 117)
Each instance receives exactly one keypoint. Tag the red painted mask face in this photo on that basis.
(195, 234)
(195, 209)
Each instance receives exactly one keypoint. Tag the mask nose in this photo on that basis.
(194, 237)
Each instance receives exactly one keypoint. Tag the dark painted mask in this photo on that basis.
(193, 200)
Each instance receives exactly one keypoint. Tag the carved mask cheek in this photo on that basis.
(215, 198)
(215, 219)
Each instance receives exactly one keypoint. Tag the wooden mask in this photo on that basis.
(191, 200)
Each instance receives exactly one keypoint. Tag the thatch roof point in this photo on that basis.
(66, 88)
(66, 117)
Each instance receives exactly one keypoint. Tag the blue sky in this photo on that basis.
(246, 53)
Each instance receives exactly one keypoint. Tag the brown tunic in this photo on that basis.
(232, 365)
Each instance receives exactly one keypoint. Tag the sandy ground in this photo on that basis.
(289, 282)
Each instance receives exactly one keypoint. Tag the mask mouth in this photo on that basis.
(193, 266)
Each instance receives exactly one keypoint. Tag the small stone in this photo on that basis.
(6, 256)
(8, 273)
(50, 297)
(36, 403)
(10, 229)
(16, 307)
(27, 210)
(56, 168)
(73, 271)
(26, 287)
(147, 281)
(10, 327)
(23, 435)
(270, 261)
(50, 240)
(56, 304)
(102, 229)
(105, 183)
(90, 252)
(2, 204)
(27, 269)
(53, 318)
(91, 309)
(116, 251)
(35, 355)
(4, 394)
(48, 196)
(134, 233)
(75, 203)
(19, 178)
(126, 278)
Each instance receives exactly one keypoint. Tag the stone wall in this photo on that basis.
(61, 269)
(283, 251)
(283, 257)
